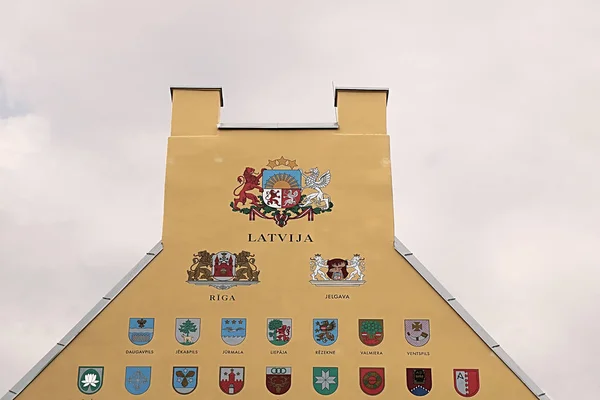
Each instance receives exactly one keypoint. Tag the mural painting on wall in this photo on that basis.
(185, 379)
(372, 380)
(137, 379)
(231, 379)
(370, 331)
(187, 330)
(141, 330)
(223, 270)
(279, 379)
(466, 382)
(279, 193)
(325, 331)
(325, 379)
(337, 271)
(233, 330)
(417, 331)
(279, 330)
(90, 379)
(418, 381)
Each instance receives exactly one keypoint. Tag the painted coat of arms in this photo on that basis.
(141, 330)
(279, 379)
(337, 271)
(187, 330)
(279, 330)
(466, 382)
(223, 270)
(325, 380)
(231, 379)
(417, 331)
(372, 380)
(233, 330)
(325, 331)
(370, 331)
(137, 379)
(280, 194)
(418, 381)
(90, 379)
(185, 379)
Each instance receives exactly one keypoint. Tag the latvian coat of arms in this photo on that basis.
(277, 192)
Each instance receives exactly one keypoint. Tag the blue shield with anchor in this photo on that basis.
(233, 330)
(137, 379)
(185, 379)
(325, 331)
(141, 330)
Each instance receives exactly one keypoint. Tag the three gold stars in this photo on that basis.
(282, 162)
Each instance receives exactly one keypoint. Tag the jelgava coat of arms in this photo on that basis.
(223, 270)
(337, 271)
(277, 192)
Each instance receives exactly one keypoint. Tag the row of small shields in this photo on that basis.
(279, 331)
(279, 380)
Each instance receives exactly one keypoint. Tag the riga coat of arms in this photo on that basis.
(280, 194)
(223, 270)
(337, 271)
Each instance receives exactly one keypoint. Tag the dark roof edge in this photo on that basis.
(220, 89)
(80, 326)
(478, 329)
(361, 89)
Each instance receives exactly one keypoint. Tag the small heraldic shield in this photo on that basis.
(372, 380)
(279, 379)
(141, 330)
(187, 330)
(137, 379)
(325, 331)
(466, 382)
(417, 331)
(279, 330)
(325, 379)
(231, 379)
(370, 331)
(418, 381)
(185, 379)
(233, 330)
(89, 379)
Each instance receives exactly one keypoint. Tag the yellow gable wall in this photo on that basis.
(203, 164)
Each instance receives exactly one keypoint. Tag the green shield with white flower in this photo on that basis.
(90, 379)
(325, 379)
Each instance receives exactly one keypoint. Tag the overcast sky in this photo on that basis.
(493, 116)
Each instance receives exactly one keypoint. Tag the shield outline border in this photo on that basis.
(129, 330)
(336, 336)
(149, 378)
(428, 333)
(290, 375)
(291, 332)
(430, 378)
(466, 369)
(382, 331)
(199, 331)
(243, 380)
(337, 383)
(173, 380)
(79, 377)
(360, 376)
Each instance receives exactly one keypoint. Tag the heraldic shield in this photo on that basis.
(231, 379)
(187, 330)
(372, 380)
(417, 331)
(325, 331)
(89, 379)
(325, 380)
(466, 382)
(418, 381)
(185, 379)
(137, 379)
(370, 331)
(279, 379)
(233, 330)
(141, 330)
(279, 330)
